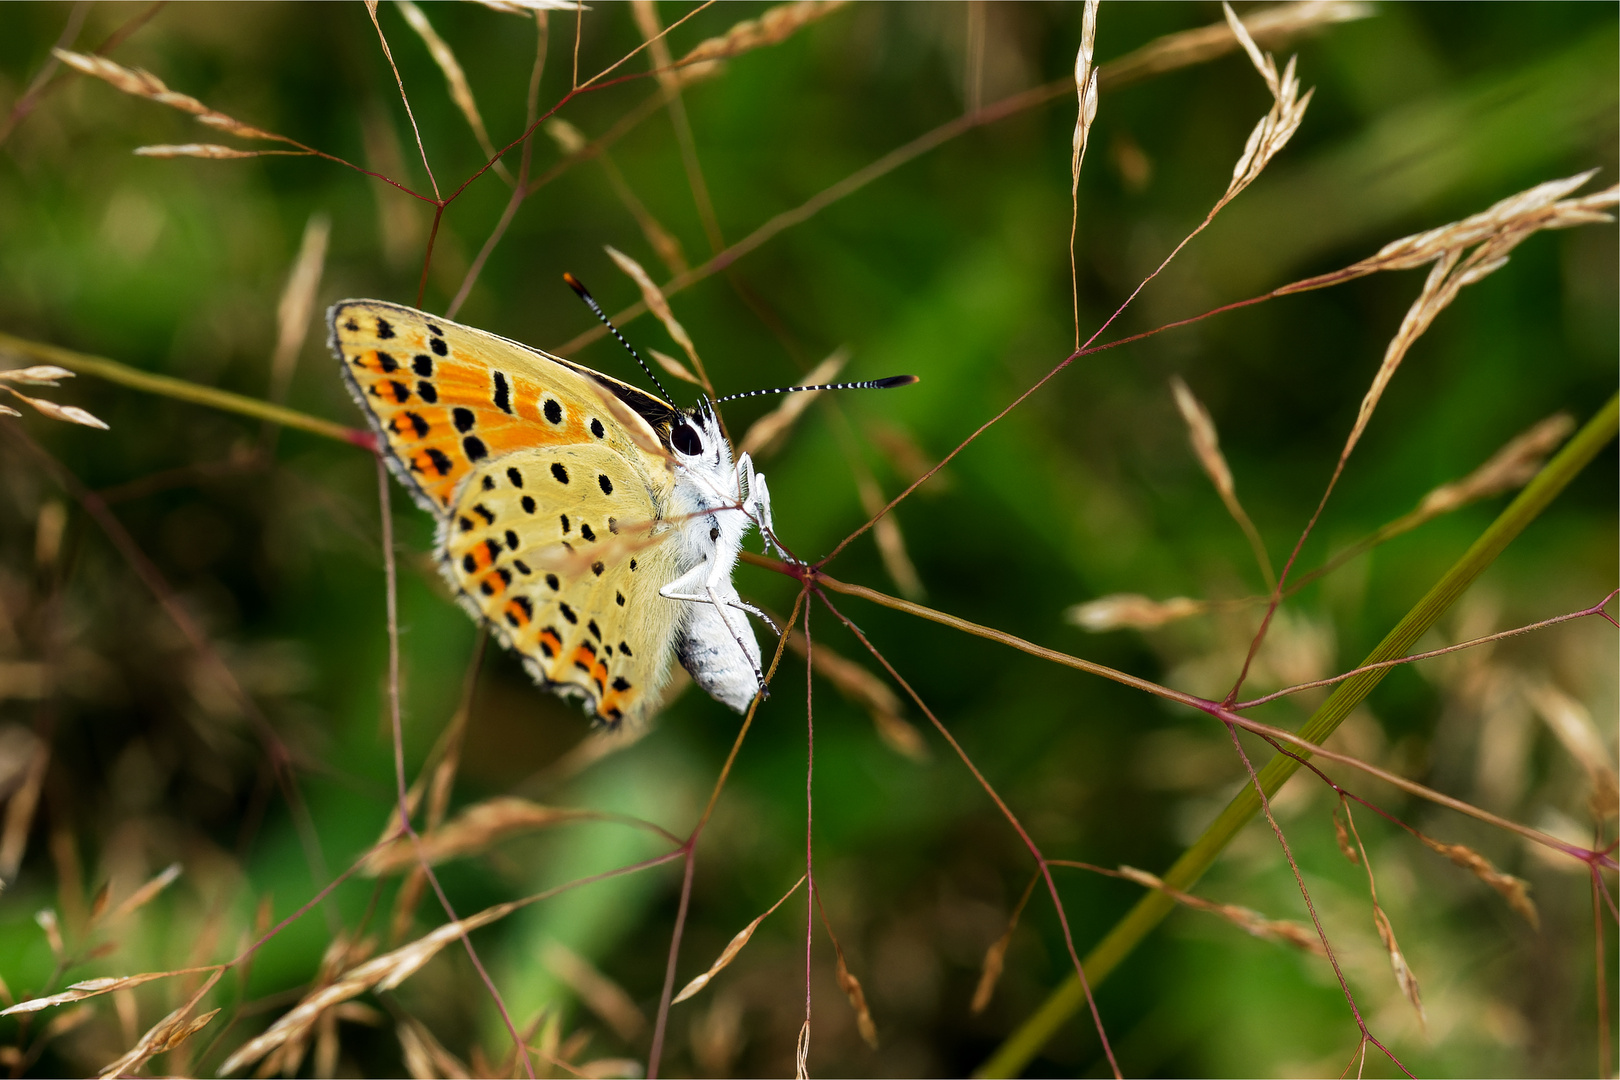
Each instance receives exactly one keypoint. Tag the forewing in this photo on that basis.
(446, 399)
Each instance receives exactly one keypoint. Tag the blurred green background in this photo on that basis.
(952, 267)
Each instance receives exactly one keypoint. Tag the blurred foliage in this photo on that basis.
(952, 267)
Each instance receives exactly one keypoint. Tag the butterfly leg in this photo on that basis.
(756, 501)
(711, 596)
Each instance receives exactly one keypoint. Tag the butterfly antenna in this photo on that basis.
(870, 384)
(590, 302)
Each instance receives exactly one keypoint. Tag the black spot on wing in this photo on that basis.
(463, 418)
(386, 362)
(484, 512)
(559, 472)
(528, 504)
(552, 583)
(553, 410)
(384, 329)
(439, 461)
(625, 648)
(604, 483)
(516, 477)
(503, 393)
(488, 483)
(596, 428)
(511, 539)
(422, 364)
(475, 448)
(429, 392)
(439, 347)
(597, 634)
(621, 684)
(568, 613)
(585, 531)
(597, 568)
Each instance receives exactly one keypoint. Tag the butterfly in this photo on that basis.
(593, 526)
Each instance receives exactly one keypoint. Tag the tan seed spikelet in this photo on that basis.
(1201, 433)
(1252, 922)
(1131, 611)
(1572, 723)
(144, 84)
(164, 1036)
(527, 8)
(569, 139)
(1085, 86)
(733, 947)
(1277, 23)
(38, 375)
(384, 973)
(48, 922)
(7, 410)
(1206, 446)
(200, 150)
(71, 414)
(653, 296)
(767, 433)
(851, 986)
(90, 988)
(425, 1057)
(772, 27)
(1342, 838)
(604, 997)
(1404, 976)
(20, 811)
(610, 1069)
(1274, 130)
(473, 830)
(143, 895)
(673, 366)
(1516, 891)
(995, 957)
(298, 303)
(1509, 468)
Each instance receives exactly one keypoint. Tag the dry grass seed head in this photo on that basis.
(771, 27)
(1120, 611)
(144, 84)
(470, 832)
(1404, 975)
(1516, 891)
(297, 303)
(733, 947)
(673, 366)
(1251, 922)
(1572, 723)
(653, 296)
(1510, 467)
(425, 1057)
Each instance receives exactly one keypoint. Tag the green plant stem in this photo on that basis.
(1024, 1043)
(181, 390)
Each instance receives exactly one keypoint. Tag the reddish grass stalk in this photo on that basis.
(810, 897)
(1006, 811)
(1299, 879)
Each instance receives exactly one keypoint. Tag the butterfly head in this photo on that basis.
(696, 440)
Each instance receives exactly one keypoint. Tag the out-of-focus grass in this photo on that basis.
(953, 268)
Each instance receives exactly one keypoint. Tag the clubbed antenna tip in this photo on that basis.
(869, 384)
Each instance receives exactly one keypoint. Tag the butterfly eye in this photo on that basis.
(685, 439)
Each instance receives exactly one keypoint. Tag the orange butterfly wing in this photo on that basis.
(548, 495)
